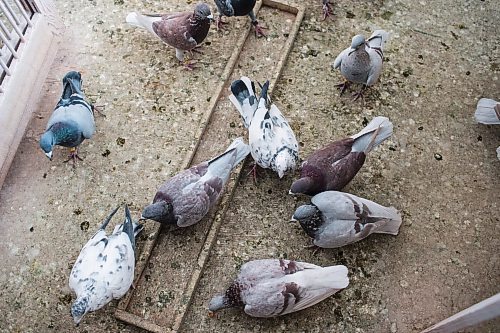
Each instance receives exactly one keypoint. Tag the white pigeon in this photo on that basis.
(275, 287)
(488, 112)
(104, 270)
(362, 61)
(272, 142)
(334, 219)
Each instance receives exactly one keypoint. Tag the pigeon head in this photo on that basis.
(357, 41)
(47, 142)
(284, 161)
(202, 11)
(309, 217)
(160, 211)
(219, 302)
(72, 84)
(305, 185)
(79, 309)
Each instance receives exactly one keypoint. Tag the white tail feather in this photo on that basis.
(379, 42)
(486, 112)
(378, 130)
(245, 109)
(142, 21)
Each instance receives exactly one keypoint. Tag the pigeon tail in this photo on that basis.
(243, 98)
(143, 21)
(128, 227)
(378, 130)
(110, 216)
(233, 155)
(392, 223)
(263, 94)
(332, 277)
(487, 112)
(378, 39)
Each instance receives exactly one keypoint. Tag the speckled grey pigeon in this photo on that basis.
(334, 219)
(272, 142)
(332, 167)
(275, 287)
(238, 8)
(488, 112)
(362, 62)
(104, 270)
(187, 197)
(72, 120)
(184, 31)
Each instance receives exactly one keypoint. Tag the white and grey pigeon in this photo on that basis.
(184, 31)
(334, 219)
(186, 198)
(488, 112)
(238, 8)
(362, 61)
(104, 270)
(272, 142)
(275, 287)
(72, 120)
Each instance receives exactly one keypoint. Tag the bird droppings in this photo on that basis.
(438, 156)
(84, 226)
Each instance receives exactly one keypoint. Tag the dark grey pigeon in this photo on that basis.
(184, 31)
(104, 270)
(275, 287)
(72, 120)
(238, 8)
(333, 166)
(187, 197)
(362, 61)
(334, 219)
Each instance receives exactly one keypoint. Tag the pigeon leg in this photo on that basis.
(312, 246)
(196, 50)
(327, 9)
(99, 109)
(253, 171)
(73, 155)
(219, 23)
(359, 94)
(189, 64)
(259, 30)
(343, 86)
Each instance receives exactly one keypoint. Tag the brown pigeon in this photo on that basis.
(333, 166)
(184, 31)
(275, 287)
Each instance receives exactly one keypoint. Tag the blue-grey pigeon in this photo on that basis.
(275, 287)
(362, 61)
(238, 8)
(72, 120)
(334, 219)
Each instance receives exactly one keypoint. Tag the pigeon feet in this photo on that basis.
(312, 246)
(219, 23)
(196, 49)
(259, 30)
(253, 171)
(99, 109)
(343, 86)
(327, 10)
(189, 64)
(359, 94)
(73, 155)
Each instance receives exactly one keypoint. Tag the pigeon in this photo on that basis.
(238, 8)
(272, 142)
(184, 31)
(333, 166)
(275, 287)
(186, 198)
(334, 219)
(488, 112)
(72, 120)
(104, 270)
(362, 62)
(327, 9)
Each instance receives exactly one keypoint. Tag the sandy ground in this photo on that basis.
(444, 56)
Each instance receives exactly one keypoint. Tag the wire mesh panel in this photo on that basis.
(15, 19)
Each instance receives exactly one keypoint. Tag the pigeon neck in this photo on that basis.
(312, 223)
(64, 132)
(79, 308)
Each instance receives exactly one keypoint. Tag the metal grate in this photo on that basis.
(15, 19)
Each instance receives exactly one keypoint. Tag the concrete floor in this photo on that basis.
(444, 55)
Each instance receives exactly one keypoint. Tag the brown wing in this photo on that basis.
(173, 30)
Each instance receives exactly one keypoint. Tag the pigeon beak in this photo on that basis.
(49, 155)
(211, 18)
(292, 220)
(142, 218)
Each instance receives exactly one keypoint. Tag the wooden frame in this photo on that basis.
(218, 215)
